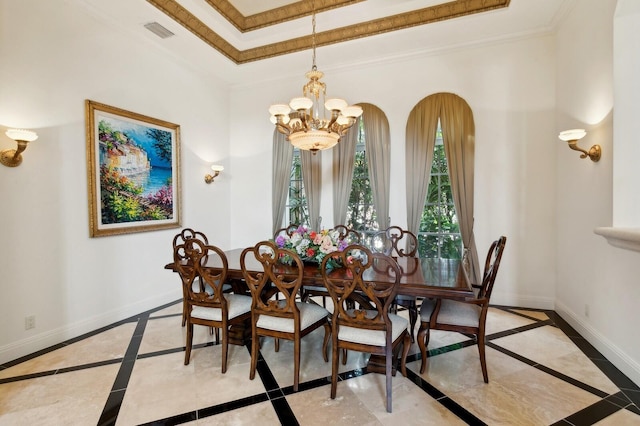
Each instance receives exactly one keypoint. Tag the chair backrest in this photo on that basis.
(491, 265)
(194, 259)
(395, 241)
(347, 234)
(343, 285)
(286, 278)
(185, 235)
(289, 230)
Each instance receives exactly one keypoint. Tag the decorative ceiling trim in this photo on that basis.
(441, 12)
(274, 16)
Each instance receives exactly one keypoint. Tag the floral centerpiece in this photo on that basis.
(310, 245)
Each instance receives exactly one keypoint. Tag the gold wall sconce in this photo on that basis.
(573, 136)
(13, 157)
(216, 171)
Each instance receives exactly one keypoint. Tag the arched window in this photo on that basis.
(454, 117)
(297, 211)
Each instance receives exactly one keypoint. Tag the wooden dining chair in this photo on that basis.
(372, 329)
(466, 317)
(283, 318)
(206, 301)
(397, 242)
(187, 234)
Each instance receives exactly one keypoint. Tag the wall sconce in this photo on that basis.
(12, 157)
(573, 136)
(216, 171)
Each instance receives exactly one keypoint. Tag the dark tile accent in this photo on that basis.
(304, 386)
(586, 347)
(34, 355)
(232, 405)
(111, 408)
(262, 369)
(459, 411)
(620, 399)
(284, 412)
(351, 374)
(633, 395)
(634, 409)
(114, 402)
(616, 376)
(518, 330)
(593, 413)
(511, 354)
(175, 420)
(27, 376)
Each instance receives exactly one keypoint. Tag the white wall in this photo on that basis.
(597, 289)
(53, 56)
(510, 87)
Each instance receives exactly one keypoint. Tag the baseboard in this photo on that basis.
(613, 353)
(53, 337)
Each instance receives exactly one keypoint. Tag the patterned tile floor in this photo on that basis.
(541, 372)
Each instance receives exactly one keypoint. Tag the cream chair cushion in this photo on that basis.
(310, 313)
(452, 312)
(237, 304)
(372, 337)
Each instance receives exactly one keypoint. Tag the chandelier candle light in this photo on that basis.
(307, 127)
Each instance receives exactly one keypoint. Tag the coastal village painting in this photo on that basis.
(133, 171)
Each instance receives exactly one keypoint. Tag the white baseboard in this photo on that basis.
(49, 338)
(621, 360)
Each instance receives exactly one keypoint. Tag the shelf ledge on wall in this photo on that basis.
(624, 238)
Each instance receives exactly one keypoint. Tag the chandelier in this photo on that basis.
(304, 121)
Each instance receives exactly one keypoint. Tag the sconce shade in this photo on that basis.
(572, 135)
(13, 157)
(217, 168)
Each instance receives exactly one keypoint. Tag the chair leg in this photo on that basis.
(216, 330)
(187, 352)
(254, 353)
(335, 354)
(277, 344)
(296, 363)
(344, 356)
(325, 343)
(225, 347)
(423, 341)
(483, 361)
(388, 372)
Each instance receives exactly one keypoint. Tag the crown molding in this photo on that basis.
(441, 12)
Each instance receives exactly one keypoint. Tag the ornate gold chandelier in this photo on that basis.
(304, 121)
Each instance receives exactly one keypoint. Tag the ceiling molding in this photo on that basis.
(441, 12)
(274, 16)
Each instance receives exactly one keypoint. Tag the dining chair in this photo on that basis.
(206, 301)
(397, 242)
(289, 230)
(188, 234)
(372, 329)
(283, 318)
(466, 317)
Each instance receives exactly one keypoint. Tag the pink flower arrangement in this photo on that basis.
(310, 245)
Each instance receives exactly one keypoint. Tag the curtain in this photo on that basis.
(458, 133)
(343, 163)
(312, 180)
(281, 177)
(378, 153)
(458, 130)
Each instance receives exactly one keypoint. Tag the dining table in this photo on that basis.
(421, 277)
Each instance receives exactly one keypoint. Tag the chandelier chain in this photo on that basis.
(313, 34)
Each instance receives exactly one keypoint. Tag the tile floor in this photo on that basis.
(541, 372)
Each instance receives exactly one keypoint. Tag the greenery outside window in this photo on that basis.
(361, 213)
(296, 211)
(439, 235)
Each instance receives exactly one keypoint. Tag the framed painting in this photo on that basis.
(133, 168)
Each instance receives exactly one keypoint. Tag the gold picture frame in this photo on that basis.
(133, 170)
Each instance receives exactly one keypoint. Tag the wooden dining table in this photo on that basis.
(421, 277)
